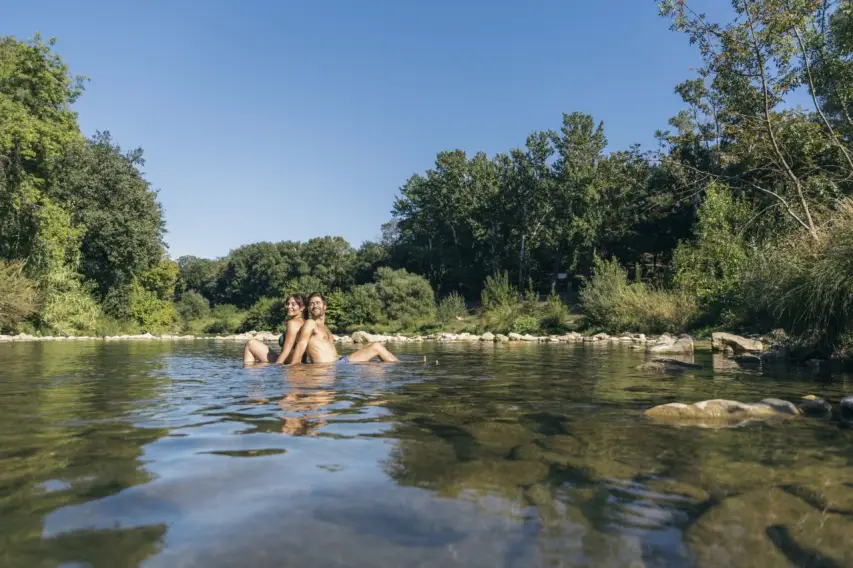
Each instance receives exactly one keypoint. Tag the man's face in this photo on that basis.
(317, 307)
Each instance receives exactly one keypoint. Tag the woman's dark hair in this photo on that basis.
(300, 301)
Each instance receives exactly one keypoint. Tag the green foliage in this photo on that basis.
(18, 297)
(226, 318)
(806, 286)
(67, 308)
(192, 306)
(554, 314)
(525, 324)
(200, 275)
(268, 314)
(335, 306)
(121, 218)
(498, 292)
(361, 306)
(403, 295)
(452, 307)
(712, 268)
(611, 302)
(153, 313)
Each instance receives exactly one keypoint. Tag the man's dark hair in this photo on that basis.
(316, 295)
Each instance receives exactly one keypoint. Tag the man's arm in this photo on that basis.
(290, 335)
(302, 343)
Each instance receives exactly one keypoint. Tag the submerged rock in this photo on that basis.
(815, 407)
(720, 341)
(723, 411)
(747, 360)
(846, 408)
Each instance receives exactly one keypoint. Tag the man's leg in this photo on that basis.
(258, 351)
(365, 354)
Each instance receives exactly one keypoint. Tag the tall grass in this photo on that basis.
(450, 307)
(612, 303)
(18, 298)
(805, 285)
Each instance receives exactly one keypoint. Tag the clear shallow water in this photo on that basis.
(158, 454)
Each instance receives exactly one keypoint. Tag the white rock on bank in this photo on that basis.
(488, 336)
(669, 344)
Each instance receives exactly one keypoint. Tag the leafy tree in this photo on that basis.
(192, 306)
(403, 295)
(106, 193)
(199, 274)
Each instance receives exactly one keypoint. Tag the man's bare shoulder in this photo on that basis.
(308, 327)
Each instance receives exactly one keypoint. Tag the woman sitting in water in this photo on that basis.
(259, 351)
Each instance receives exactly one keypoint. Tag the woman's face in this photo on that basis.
(293, 309)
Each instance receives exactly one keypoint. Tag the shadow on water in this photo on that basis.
(158, 454)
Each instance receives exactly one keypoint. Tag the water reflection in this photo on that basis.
(520, 455)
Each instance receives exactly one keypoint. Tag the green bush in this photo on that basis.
(451, 307)
(18, 297)
(226, 319)
(501, 318)
(611, 303)
(361, 307)
(805, 285)
(153, 314)
(498, 292)
(712, 268)
(192, 306)
(335, 307)
(267, 314)
(67, 308)
(404, 295)
(554, 314)
(525, 324)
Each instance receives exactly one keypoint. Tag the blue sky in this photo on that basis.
(283, 120)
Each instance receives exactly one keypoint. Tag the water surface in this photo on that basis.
(156, 454)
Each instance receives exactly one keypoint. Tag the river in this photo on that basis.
(158, 454)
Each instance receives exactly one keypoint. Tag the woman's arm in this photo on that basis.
(292, 330)
(302, 343)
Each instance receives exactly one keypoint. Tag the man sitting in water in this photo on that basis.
(316, 339)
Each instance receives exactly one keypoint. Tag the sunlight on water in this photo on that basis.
(511, 455)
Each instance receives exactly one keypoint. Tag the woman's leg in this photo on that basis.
(255, 350)
(365, 354)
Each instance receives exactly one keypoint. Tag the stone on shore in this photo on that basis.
(360, 337)
(720, 341)
(515, 337)
(488, 336)
(668, 344)
(501, 338)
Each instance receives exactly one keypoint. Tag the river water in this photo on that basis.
(156, 454)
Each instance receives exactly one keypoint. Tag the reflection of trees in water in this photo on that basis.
(66, 437)
(569, 444)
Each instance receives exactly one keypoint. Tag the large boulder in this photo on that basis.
(720, 341)
(488, 336)
(360, 337)
(723, 412)
(668, 344)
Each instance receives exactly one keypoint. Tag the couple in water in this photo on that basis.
(311, 337)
